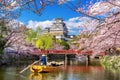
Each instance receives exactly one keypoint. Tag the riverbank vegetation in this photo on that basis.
(112, 59)
(3, 33)
(111, 62)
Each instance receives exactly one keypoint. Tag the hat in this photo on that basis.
(43, 55)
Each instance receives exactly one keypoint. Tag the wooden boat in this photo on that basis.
(41, 68)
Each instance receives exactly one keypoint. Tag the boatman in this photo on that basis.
(43, 59)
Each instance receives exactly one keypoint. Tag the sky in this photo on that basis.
(74, 21)
(49, 13)
(47, 17)
(70, 17)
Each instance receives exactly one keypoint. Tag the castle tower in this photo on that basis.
(58, 28)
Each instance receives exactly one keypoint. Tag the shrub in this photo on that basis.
(111, 62)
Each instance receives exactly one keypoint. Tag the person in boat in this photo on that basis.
(43, 59)
(53, 63)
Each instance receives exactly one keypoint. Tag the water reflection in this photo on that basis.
(45, 76)
(35, 76)
(77, 73)
(110, 75)
(84, 73)
(68, 73)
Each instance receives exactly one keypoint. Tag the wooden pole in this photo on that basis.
(65, 59)
(87, 60)
(88, 56)
(28, 67)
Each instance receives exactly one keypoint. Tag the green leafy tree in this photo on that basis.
(39, 40)
(44, 42)
(32, 35)
(64, 44)
(3, 32)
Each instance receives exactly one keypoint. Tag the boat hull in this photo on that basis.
(40, 68)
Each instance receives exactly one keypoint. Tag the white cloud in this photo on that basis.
(73, 24)
(42, 25)
(73, 19)
(81, 22)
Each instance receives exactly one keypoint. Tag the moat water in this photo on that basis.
(69, 72)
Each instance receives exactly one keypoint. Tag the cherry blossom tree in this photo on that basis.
(107, 36)
(10, 7)
(102, 23)
(13, 36)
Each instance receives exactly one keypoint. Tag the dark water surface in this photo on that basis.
(75, 72)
